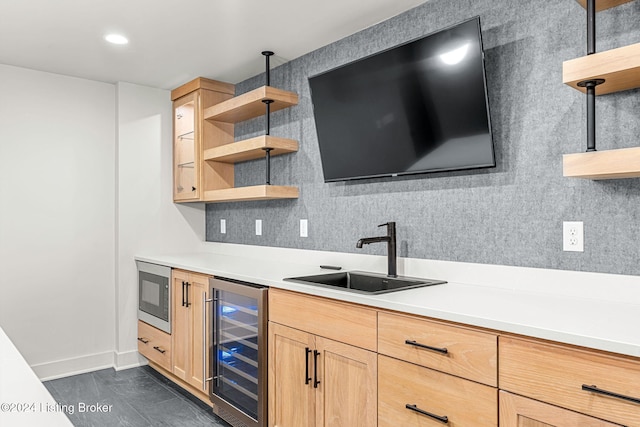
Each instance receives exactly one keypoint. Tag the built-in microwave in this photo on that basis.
(154, 295)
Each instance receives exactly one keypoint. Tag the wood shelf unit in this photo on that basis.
(619, 67)
(255, 192)
(609, 164)
(249, 105)
(620, 70)
(250, 149)
(604, 4)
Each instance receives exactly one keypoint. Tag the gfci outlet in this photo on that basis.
(573, 236)
(258, 227)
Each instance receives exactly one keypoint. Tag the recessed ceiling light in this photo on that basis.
(116, 39)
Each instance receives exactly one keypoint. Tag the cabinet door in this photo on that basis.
(291, 392)
(186, 155)
(347, 392)
(199, 348)
(181, 325)
(517, 411)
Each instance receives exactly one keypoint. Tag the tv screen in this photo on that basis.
(419, 107)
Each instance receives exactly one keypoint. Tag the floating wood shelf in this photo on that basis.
(604, 4)
(619, 67)
(251, 149)
(249, 105)
(610, 164)
(256, 192)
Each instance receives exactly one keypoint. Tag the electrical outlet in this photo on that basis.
(258, 227)
(223, 226)
(573, 236)
(304, 228)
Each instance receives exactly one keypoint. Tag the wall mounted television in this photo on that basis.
(415, 108)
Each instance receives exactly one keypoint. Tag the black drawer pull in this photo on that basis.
(143, 340)
(415, 408)
(307, 378)
(595, 389)
(183, 286)
(316, 381)
(428, 347)
(160, 350)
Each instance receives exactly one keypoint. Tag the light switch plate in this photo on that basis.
(258, 227)
(223, 226)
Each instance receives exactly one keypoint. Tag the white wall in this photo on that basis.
(57, 226)
(147, 219)
(85, 183)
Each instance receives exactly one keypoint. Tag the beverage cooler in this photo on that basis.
(238, 352)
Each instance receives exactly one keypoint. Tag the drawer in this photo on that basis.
(464, 403)
(556, 374)
(339, 321)
(518, 411)
(456, 350)
(154, 344)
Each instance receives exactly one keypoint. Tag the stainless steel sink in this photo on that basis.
(363, 282)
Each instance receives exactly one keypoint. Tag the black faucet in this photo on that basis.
(390, 238)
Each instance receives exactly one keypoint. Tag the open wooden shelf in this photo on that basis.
(604, 4)
(610, 164)
(251, 149)
(619, 67)
(255, 192)
(249, 105)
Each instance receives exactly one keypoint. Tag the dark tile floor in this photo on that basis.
(138, 397)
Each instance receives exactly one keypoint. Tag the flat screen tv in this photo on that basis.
(419, 107)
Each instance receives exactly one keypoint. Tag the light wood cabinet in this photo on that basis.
(456, 350)
(349, 323)
(192, 135)
(426, 372)
(154, 344)
(589, 382)
(518, 411)
(445, 388)
(315, 380)
(189, 342)
(204, 146)
(411, 395)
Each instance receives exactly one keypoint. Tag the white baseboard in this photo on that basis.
(128, 360)
(88, 363)
(74, 366)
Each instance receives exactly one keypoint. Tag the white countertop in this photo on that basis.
(609, 325)
(24, 400)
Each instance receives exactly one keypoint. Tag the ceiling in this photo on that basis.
(172, 42)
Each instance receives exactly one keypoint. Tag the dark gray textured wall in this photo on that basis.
(510, 215)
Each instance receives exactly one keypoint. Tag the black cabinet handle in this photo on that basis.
(307, 378)
(442, 419)
(595, 389)
(187, 303)
(160, 350)
(143, 340)
(193, 188)
(316, 353)
(183, 285)
(428, 347)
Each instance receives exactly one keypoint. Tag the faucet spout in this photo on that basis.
(368, 240)
(390, 238)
